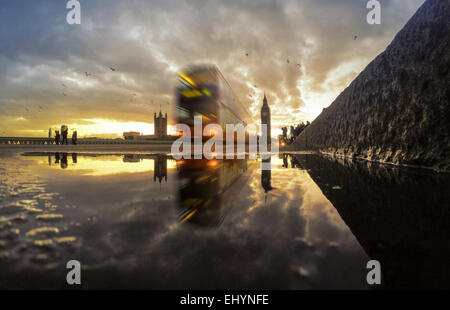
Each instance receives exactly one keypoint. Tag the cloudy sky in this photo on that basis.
(43, 59)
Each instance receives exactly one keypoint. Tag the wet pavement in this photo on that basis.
(147, 221)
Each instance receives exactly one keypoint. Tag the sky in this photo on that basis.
(44, 60)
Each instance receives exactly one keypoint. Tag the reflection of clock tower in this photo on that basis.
(265, 118)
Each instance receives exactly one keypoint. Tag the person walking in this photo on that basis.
(57, 136)
(64, 133)
(74, 137)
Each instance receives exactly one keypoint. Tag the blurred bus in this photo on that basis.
(203, 91)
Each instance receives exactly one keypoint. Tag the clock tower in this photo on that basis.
(265, 118)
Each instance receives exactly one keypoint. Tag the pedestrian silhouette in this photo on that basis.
(64, 133)
(57, 136)
(74, 137)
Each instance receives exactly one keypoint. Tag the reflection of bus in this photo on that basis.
(203, 91)
(202, 184)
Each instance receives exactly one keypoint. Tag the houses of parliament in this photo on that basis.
(160, 127)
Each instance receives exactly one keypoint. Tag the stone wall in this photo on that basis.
(397, 109)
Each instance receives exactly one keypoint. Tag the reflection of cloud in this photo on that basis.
(149, 41)
(284, 243)
(264, 246)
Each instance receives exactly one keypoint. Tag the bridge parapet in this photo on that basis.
(51, 141)
(26, 140)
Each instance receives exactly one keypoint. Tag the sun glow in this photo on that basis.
(108, 128)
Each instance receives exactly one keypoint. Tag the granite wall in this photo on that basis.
(397, 109)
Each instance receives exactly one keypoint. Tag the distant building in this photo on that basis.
(160, 169)
(160, 124)
(131, 135)
(265, 118)
(131, 158)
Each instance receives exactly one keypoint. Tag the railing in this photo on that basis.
(121, 141)
(49, 141)
(23, 140)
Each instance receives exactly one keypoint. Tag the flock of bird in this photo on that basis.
(287, 61)
(87, 74)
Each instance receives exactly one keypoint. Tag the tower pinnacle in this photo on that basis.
(265, 105)
(265, 118)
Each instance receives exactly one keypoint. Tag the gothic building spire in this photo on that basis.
(265, 118)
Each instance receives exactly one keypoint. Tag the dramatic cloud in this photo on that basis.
(43, 60)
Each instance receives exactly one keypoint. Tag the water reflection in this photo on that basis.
(202, 185)
(312, 223)
(266, 174)
(74, 158)
(108, 164)
(160, 171)
(399, 216)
